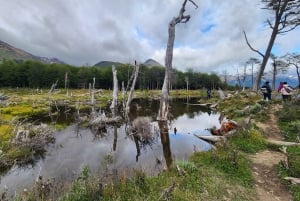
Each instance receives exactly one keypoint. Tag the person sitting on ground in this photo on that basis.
(286, 92)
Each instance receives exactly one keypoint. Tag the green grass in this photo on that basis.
(289, 125)
(249, 140)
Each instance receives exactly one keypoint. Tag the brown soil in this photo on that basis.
(267, 183)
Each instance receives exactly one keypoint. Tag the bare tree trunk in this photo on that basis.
(252, 76)
(53, 87)
(115, 89)
(136, 73)
(164, 99)
(244, 77)
(298, 74)
(93, 91)
(66, 83)
(165, 140)
(274, 76)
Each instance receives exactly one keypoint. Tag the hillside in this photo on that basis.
(148, 62)
(151, 62)
(107, 63)
(9, 52)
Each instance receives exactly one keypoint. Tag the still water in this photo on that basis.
(76, 148)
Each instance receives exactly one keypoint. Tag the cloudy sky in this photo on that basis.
(85, 32)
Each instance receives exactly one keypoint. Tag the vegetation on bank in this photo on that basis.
(219, 174)
(289, 123)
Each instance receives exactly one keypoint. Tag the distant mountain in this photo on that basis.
(9, 52)
(291, 79)
(107, 63)
(151, 62)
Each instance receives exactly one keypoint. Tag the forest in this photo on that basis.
(34, 74)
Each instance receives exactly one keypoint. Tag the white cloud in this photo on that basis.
(80, 32)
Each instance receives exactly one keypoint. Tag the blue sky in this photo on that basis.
(86, 32)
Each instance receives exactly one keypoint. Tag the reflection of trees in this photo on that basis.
(165, 141)
(115, 138)
(143, 133)
(178, 108)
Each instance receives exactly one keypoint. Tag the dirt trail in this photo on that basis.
(267, 183)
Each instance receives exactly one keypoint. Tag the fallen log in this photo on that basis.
(210, 138)
(293, 180)
(283, 143)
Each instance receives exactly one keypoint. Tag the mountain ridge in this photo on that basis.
(10, 52)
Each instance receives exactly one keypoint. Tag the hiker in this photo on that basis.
(286, 92)
(266, 90)
(208, 93)
(279, 87)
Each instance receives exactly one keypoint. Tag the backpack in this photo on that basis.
(264, 90)
(287, 89)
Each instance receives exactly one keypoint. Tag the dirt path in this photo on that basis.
(267, 183)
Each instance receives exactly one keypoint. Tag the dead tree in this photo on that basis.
(53, 87)
(278, 65)
(135, 73)
(92, 92)
(164, 100)
(286, 18)
(252, 61)
(115, 89)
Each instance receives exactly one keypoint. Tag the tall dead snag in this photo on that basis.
(164, 100)
(136, 73)
(92, 91)
(53, 87)
(115, 89)
(165, 141)
(286, 18)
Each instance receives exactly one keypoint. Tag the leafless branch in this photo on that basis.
(290, 29)
(261, 54)
(181, 17)
(270, 24)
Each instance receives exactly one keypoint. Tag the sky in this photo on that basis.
(85, 32)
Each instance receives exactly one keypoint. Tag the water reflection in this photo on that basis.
(165, 141)
(141, 142)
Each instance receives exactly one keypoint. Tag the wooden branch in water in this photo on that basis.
(210, 138)
(210, 105)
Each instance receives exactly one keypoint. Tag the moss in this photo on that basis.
(5, 132)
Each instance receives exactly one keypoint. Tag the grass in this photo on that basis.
(289, 125)
(249, 140)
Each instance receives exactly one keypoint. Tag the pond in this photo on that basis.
(76, 147)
